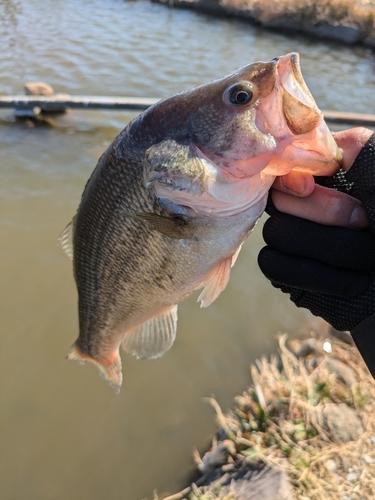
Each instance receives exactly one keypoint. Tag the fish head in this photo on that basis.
(257, 114)
(228, 139)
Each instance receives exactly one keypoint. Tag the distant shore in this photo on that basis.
(349, 21)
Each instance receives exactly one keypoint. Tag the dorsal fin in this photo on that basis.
(154, 337)
(65, 240)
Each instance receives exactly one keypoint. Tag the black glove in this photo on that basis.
(330, 270)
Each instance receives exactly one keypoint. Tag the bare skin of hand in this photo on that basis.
(297, 194)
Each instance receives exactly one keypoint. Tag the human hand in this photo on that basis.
(313, 252)
(297, 193)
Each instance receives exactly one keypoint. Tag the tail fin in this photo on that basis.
(110, 369)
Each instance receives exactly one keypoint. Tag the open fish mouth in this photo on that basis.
(300, 110)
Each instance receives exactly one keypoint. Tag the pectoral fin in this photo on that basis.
(174, 226)
(154, 337)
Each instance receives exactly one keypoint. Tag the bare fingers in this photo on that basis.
(295, 183)
(324, 206)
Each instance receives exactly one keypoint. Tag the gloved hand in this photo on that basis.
(330, 270)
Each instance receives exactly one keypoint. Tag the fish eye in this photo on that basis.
(239, 93)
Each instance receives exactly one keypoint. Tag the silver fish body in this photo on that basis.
(171, 201)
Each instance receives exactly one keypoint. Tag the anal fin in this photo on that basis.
(154, 337)
(110, 368)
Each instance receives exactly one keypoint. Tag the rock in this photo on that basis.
(342, 370)
(352, 477)
(367, 459)
(340, 422)
(252, 482)
(45, 90)
(330, 465)
(38, 88)
(214, 458)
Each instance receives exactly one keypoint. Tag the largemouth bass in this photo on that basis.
(173, 198)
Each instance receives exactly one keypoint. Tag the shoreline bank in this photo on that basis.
(304, 429)
(352, 23)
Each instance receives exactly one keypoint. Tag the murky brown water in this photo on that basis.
(64, 433)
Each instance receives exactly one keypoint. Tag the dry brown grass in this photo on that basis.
(288, 434)
(276, 422)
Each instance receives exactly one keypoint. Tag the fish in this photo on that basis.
(174, 197)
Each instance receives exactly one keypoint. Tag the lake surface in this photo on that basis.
(65, 434)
